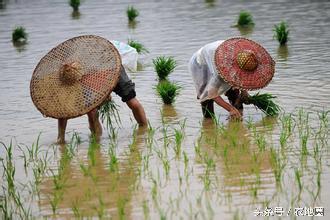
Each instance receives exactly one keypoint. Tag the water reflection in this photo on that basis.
(94, 187)
(75, 14)
(283, 52)
(3, 4)
(169, 113)
(246, 30)
(210, 3)
(132, 24)
(240, 163)
(20, 46)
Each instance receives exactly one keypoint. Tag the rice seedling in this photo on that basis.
(185, 160)
(164, 66)
(19, 35)
(109, 114)
(281, 32)
(265, 103)
(101, 208)
(178, 134)
(140, 48)
(9, 169)
(132, 13)
(93, 146)
(168, 91)
(277, 166)
(146, 209)
(154, 190)
(298, 176)
(113, 163)
(76, 210)
(75, 4)
(244, 19)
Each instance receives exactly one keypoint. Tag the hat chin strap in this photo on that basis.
(70, 73)
(247, 61)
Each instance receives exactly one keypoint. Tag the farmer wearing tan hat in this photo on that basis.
(76, 77)
(229, 67)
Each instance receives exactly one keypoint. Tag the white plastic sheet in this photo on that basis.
(207, 81)
(129, 55)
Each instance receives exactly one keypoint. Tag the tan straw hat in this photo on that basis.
(244, 64)
(75, 77)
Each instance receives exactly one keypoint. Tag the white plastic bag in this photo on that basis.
(129, 55)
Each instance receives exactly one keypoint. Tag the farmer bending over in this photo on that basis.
(229, 67)
(77, 76)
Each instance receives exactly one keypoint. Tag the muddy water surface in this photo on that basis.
(220, 170)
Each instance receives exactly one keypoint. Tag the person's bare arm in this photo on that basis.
(234, 113)
(138, 111)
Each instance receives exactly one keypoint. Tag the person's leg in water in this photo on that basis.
(61, 126)
(126, 90)
(208, 108)
(94, 124)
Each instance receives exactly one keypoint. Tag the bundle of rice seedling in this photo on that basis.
(108, 113)
(168, 91)
(264, 102)
(138, 46)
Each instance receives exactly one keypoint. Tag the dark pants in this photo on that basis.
(125, 88)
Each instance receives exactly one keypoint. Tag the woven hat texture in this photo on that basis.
(75, 77)
(244, 64)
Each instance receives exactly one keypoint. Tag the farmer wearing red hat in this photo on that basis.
(229, 67)
(76, 77)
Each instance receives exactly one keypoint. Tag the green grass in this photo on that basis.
(265, 103)
(132, 13)
(281, 33)
(138, 46)
(244, 19)
(168, 91)
(164, 66)
(75, 4)
(19, 35)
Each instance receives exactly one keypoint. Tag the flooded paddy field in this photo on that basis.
(180, 166)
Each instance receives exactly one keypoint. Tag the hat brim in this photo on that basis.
(100, 67)
(228, 68)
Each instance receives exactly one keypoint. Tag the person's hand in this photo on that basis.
(235, 114)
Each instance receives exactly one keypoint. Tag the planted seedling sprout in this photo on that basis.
(167, 91)
(132, 13)
(281, 32)
(75, 4)
(19, 35)
(138, 46)
(164, 66)
(245, 19)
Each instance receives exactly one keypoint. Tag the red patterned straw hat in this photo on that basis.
(244, 64)
(75, 77)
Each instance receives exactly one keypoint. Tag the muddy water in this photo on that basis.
(175, 28)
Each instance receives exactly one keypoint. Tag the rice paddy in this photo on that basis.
(180, 166)
(226, 159)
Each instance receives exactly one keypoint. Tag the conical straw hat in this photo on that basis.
(75, 77)
(244, 64)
